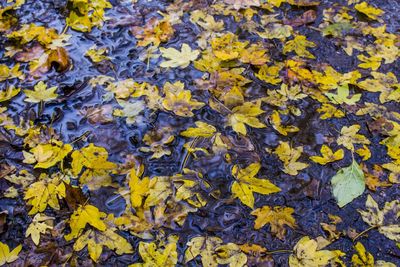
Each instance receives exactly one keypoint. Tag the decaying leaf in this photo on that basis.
(386, 219)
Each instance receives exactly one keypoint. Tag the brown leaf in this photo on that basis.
(307, 17)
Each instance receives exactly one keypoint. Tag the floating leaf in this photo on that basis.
(177, 58)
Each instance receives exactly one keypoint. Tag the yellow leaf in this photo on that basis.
(227, 47)
(307, 253)
(154, 255)
(41, 93)
(139, 187)
(45, 192)
(203, 130)
(231, 254)
(180, 102)
(364, 152)
(330, 111)
(177, 58)
(289, 157)
(95, 240)
(276, 123)
(246, 184)
(277, 217)
(245, 114)
(328, 156)
(386, 219)
(87, 214)
(6, 256)
(299, 45)
(97, 55)
(39, 225)
(9, 93)
(48, 155)
(205, 247)
(370, 11)
(349, 136)
(97, 167)
(270, 74)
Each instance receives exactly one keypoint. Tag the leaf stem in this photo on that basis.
(364, 232)
(279, 251)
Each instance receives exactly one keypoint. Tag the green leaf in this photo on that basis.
(348, 183)
(342, 96)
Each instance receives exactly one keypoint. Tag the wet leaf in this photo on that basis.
(177, 58)
(41, 93)
(277, 217)
(308, 252)
(348, 184)
(246, 184)
(7, 256)
(386, 219)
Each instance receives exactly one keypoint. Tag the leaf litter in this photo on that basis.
(237, 132)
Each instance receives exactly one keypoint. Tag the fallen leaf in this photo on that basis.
(348, 184)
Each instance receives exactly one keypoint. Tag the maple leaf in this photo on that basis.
(289, 157)
(205, 247)
(349, 136)
(370, 11)
(47, 155)
(131, 110)
(277, 217)
(348, 184)
(155, 31)
(177, 58)
(40, 93)
(158, 141)
(39, 225)
(45, 192)
(203, 130)
(330, 111)
(9, 93)
(363, 258)
(299, 45)
(7, 256)
(97, 54)
(139, 187)
(97, 167)
(87, 214)
(270, 74)
(159, 190)
(154, 255)
(246, 184)
(307, 252)
(386, 219)
(342, 96)
(231, 254)
(95, 240)
(276, 123)
(245, 114)
(328, 155)
(181, 103)
(227, 47)
(10, 73)
(86, 14)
